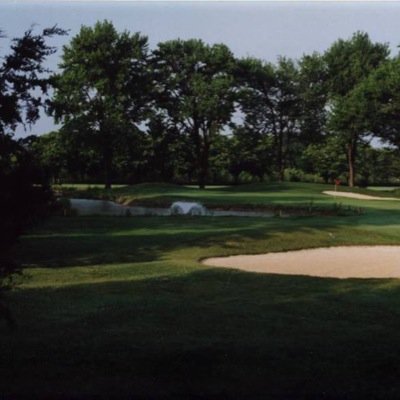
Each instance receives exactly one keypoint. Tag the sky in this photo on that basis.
(260, 29)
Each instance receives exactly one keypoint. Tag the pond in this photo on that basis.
(110, 208)
(106, 207)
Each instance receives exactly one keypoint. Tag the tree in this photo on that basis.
(378, 165)
(104, 86)
(313, 96)
(195, 93)
(50, 153)
(67, 155)
(220, 154)
(326, 158)
(378, 99)
(23, 82)
(24, 79)
(269, 99)
(251, 152)
(349, 62)
(170, 152)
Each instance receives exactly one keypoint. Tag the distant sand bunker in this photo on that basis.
(357, 196)
(329, 262)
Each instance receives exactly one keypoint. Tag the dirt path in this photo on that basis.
(357, 196)
(333, 262)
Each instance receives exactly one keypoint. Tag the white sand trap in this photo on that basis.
(357, 195)
(329, 262)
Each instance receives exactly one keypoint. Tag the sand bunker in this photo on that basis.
(357, 195)
(332, 262)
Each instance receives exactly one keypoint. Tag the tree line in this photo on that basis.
(191, 112)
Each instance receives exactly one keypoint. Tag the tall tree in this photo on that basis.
(23, 85)
(313, 94)
(269, 100)
(195, 93)
(349, 62)
(103, 86)
(378, 100)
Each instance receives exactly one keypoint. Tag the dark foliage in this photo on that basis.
(21, 202)
(24, 196)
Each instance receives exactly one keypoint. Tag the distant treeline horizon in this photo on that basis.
(191, 112)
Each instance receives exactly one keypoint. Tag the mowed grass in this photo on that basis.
(290, 195)
(122, 307)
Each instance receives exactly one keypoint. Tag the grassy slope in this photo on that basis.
(122, 306)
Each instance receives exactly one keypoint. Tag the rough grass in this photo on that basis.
(121, 307)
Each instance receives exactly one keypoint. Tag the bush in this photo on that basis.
(298, 175)
(293, 175)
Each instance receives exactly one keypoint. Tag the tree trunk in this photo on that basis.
(281, 165)
(281, 156)
(107, 166)
(203, 164)
(351, 158)
(201, 137)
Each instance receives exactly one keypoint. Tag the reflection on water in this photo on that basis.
(105, 207)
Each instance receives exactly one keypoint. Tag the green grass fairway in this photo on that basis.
(121, 307)
(383, 188)
(274, 194)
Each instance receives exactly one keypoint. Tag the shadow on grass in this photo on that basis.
(209, 333)
(98, 240)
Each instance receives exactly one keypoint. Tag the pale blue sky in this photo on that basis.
(261, 29)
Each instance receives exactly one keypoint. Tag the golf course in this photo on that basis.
(199, 200)
(124, 307)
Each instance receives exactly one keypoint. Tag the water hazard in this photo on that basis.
(110, 208)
